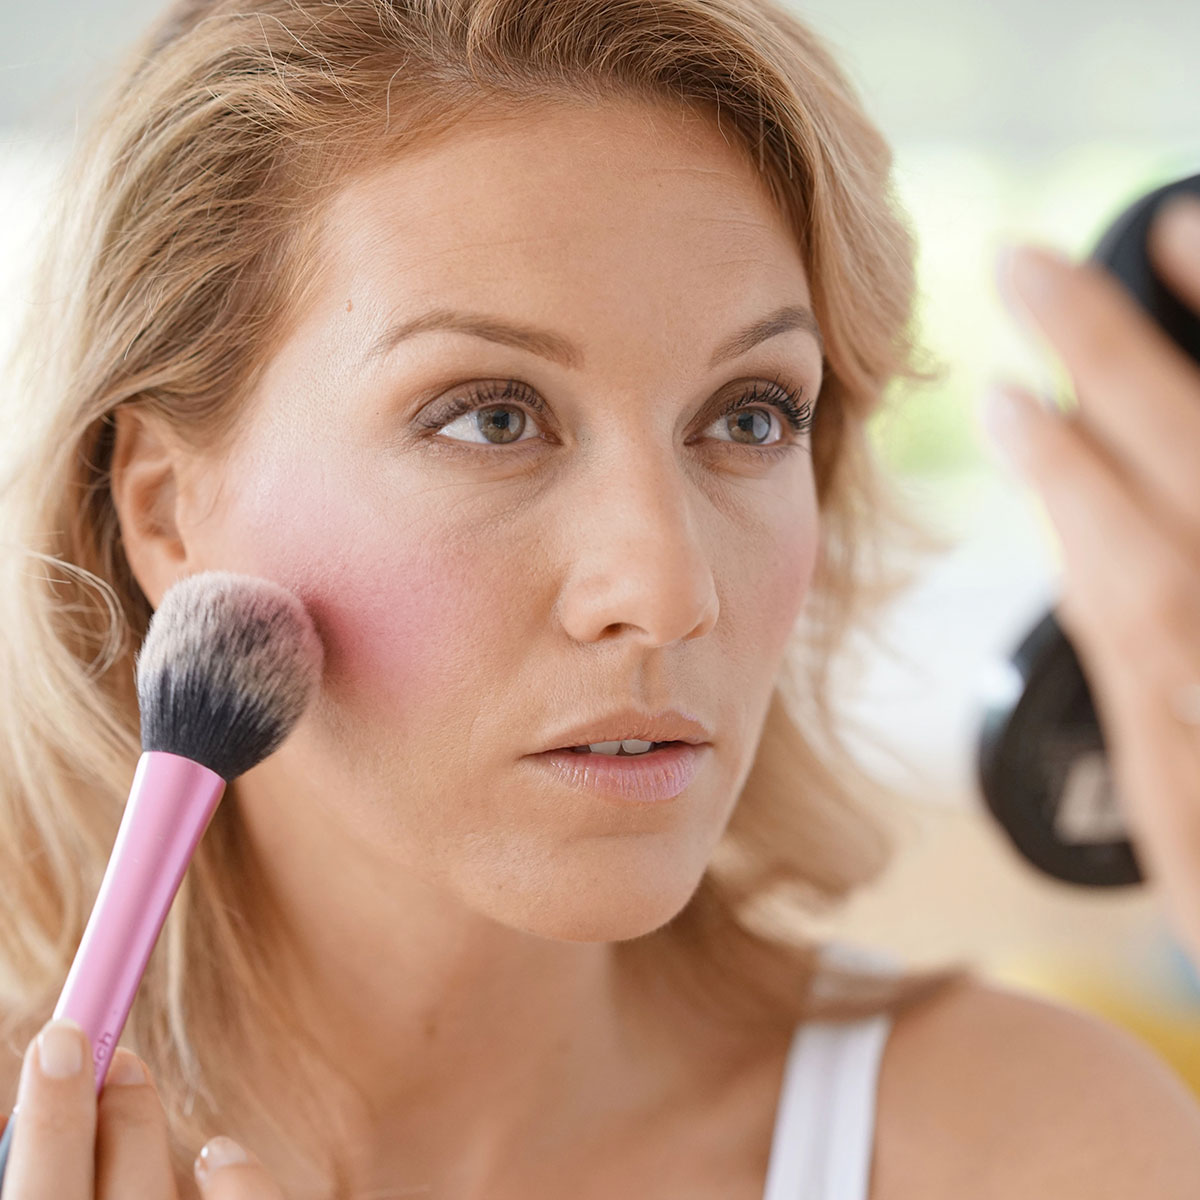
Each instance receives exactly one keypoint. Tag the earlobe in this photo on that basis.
(144, 485)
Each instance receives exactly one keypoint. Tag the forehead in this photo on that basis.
(573, 216)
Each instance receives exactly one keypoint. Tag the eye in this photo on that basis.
(753, 420)
(482, 410)
(490, 415)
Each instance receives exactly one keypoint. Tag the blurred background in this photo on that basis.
(1013, 121)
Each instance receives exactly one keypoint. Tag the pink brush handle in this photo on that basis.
(170, 805)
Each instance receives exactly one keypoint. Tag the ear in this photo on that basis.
(145, 477)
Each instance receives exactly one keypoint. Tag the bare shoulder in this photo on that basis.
(999, 1094)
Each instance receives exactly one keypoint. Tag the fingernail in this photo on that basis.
(1006, 418)
(1039, 271)
(126, 1071)
(218, 1152)
(60, 1048)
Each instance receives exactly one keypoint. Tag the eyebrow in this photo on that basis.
(553, 346)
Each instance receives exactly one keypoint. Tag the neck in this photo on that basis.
(465, 1041)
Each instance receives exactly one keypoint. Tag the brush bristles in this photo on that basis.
(228, 666)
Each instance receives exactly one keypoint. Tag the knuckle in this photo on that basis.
(1107, 319)
(135, 1109)
(55, 1121)
(1102, 340)
(1092, 632)
(1072, 613)
(1052, 449)
(1169, 601)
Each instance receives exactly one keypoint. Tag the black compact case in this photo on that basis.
(1042, 766)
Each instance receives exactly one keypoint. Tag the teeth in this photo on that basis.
(629, 745)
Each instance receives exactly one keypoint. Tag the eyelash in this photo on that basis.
(798, 416)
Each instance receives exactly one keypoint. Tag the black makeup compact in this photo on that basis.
(1042, 766)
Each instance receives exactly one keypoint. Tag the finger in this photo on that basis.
(1137, 390)
(1156, 764)
(53, 1139)
(132, 1155)
(1127, 588)
(225, 1171)
(1175, 248)
(1131, 607)
(1155, 761)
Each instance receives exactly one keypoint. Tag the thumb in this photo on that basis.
(225, 1171)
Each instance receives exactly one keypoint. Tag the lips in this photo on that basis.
(619, 754)
(657, 775)
(624, 724)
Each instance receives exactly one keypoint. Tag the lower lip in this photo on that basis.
(642, 779)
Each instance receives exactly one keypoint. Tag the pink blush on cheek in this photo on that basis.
(383, 607)
(396, 621)
(403, 599)
(370, 585)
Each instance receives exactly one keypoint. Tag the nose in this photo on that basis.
(637, 563)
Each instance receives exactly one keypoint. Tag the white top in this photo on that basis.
(825, 1122)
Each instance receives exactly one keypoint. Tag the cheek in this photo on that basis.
(398, 606)
(783, 587)
(387, 614)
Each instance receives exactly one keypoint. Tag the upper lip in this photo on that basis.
(632, 723)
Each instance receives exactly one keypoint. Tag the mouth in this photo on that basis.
(621, 752)
(659, 774)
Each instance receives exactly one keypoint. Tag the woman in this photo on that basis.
(496, 330)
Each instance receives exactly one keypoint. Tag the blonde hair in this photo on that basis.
(181, 246)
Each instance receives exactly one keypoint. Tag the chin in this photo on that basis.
(612, 907)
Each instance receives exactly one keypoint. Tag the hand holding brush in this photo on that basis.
(228, 667)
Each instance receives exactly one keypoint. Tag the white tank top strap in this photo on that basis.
(825, 1123)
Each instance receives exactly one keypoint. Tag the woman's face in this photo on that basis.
(605, 538)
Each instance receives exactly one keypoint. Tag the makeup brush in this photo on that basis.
(227, 668)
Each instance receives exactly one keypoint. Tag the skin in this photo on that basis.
(1117, 474)
(1122, 496)
(454, 910)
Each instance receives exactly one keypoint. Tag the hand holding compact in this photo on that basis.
(1119, 475)
(71, 1144)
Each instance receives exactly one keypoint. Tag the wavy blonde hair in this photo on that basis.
(181, 246)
